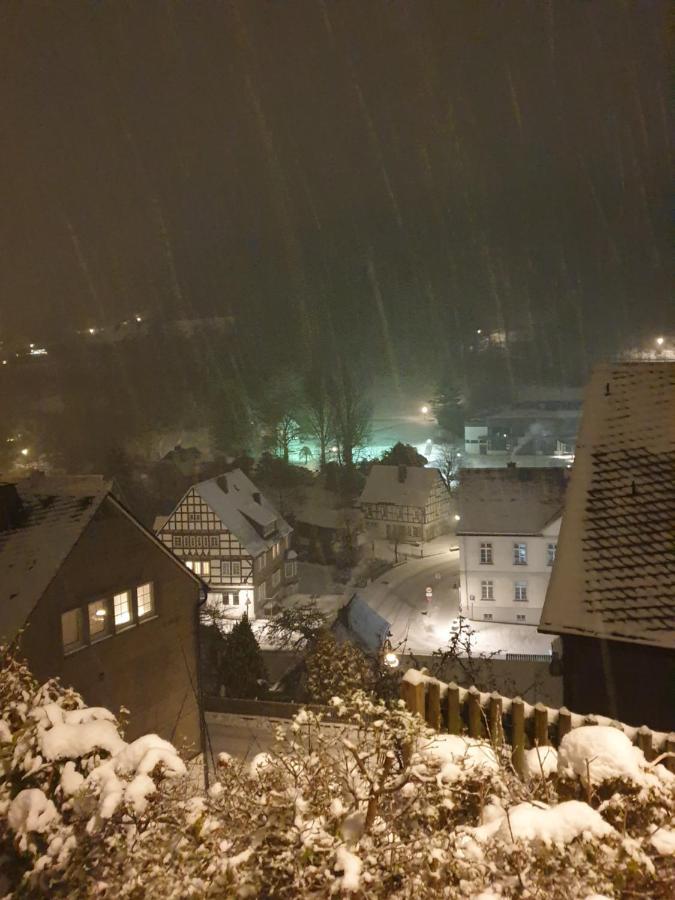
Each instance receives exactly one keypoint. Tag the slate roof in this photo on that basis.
(510, 500)
(614, 575)
(238, 510)
(55, 513)
(383, 485)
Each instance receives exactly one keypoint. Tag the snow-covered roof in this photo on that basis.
(320, 507)
(400, 485)
(358, 621)
(614, 574)
(54, 513)
(240, 506)
(510, 500)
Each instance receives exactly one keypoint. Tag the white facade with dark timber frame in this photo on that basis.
(229, 534)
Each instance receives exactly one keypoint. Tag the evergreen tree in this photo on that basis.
(242, 667)
(335, 670)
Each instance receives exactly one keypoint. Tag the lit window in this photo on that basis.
(199, 566)
(486, 554)
(520, 554)
(487, 590)
(72, 630)
(521, 590)
(189, 564)
(550, 554)
(122, 609)
(145, 600)
(99, 620)
(236, 570)
(275, 551)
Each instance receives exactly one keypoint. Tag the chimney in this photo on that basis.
(402, 474)
(10, 507)
(257, 496)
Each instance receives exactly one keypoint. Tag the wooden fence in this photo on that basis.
(456, 710)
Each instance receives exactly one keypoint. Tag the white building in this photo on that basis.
(508, 534)
(226, 531)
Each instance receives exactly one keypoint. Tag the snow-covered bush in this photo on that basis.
(368, 803)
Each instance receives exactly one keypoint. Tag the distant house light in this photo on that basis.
(91, 330)
(139, 319)
(660, 341)
(457, 517)
(24, 451)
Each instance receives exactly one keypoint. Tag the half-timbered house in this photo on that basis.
(227, 532)
(406, 503)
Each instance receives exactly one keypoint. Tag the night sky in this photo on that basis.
(395, 174)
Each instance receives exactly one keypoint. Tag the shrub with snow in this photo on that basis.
(371, 805)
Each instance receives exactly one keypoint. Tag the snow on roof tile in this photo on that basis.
(614, 574)
(55, 511)
(510, 500)
(383, 485)
(238, 510)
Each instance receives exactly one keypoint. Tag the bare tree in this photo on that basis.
(449, 462)
(318, 422)
(351, 413)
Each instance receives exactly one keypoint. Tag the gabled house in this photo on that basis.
(89, 595)
(227, 532)
(407, 503)
(325, 528)
(507, 534)
(611, 597)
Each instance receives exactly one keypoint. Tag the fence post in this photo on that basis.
(541, 725)
(564, 723)
(518, 735)
(413, 697)
(454, 715)
(644, 741)
(495, 719)
(433, 711)
(475, 712)
(670, 748)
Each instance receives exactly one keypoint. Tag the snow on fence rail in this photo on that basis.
(504, 720)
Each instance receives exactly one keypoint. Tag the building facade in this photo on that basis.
(504, 578)
(227, 533)
(405, 503)
(92, 597)
(507, 534)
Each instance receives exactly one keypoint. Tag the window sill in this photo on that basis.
(122, 628)
(71, 651)
(149, 618)
(99, 639)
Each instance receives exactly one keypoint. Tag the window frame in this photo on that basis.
(235, 565)
(130, 605)
(94, 638)
(520, 558)
(145, 617)
(520, 588)
(485, 555)
(82, 641)
(551, 551)
(487, 589)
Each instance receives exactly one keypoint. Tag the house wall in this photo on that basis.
(412, 522)
(150, 667)
(629, 682)
(504, 574)
(237, 581)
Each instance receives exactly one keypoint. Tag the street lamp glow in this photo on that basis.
(333, 449)
(457, 517)
(24, 451)
(424, 410)
(139, 319)
(659, 341)
(91, 330)
(390, 660)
